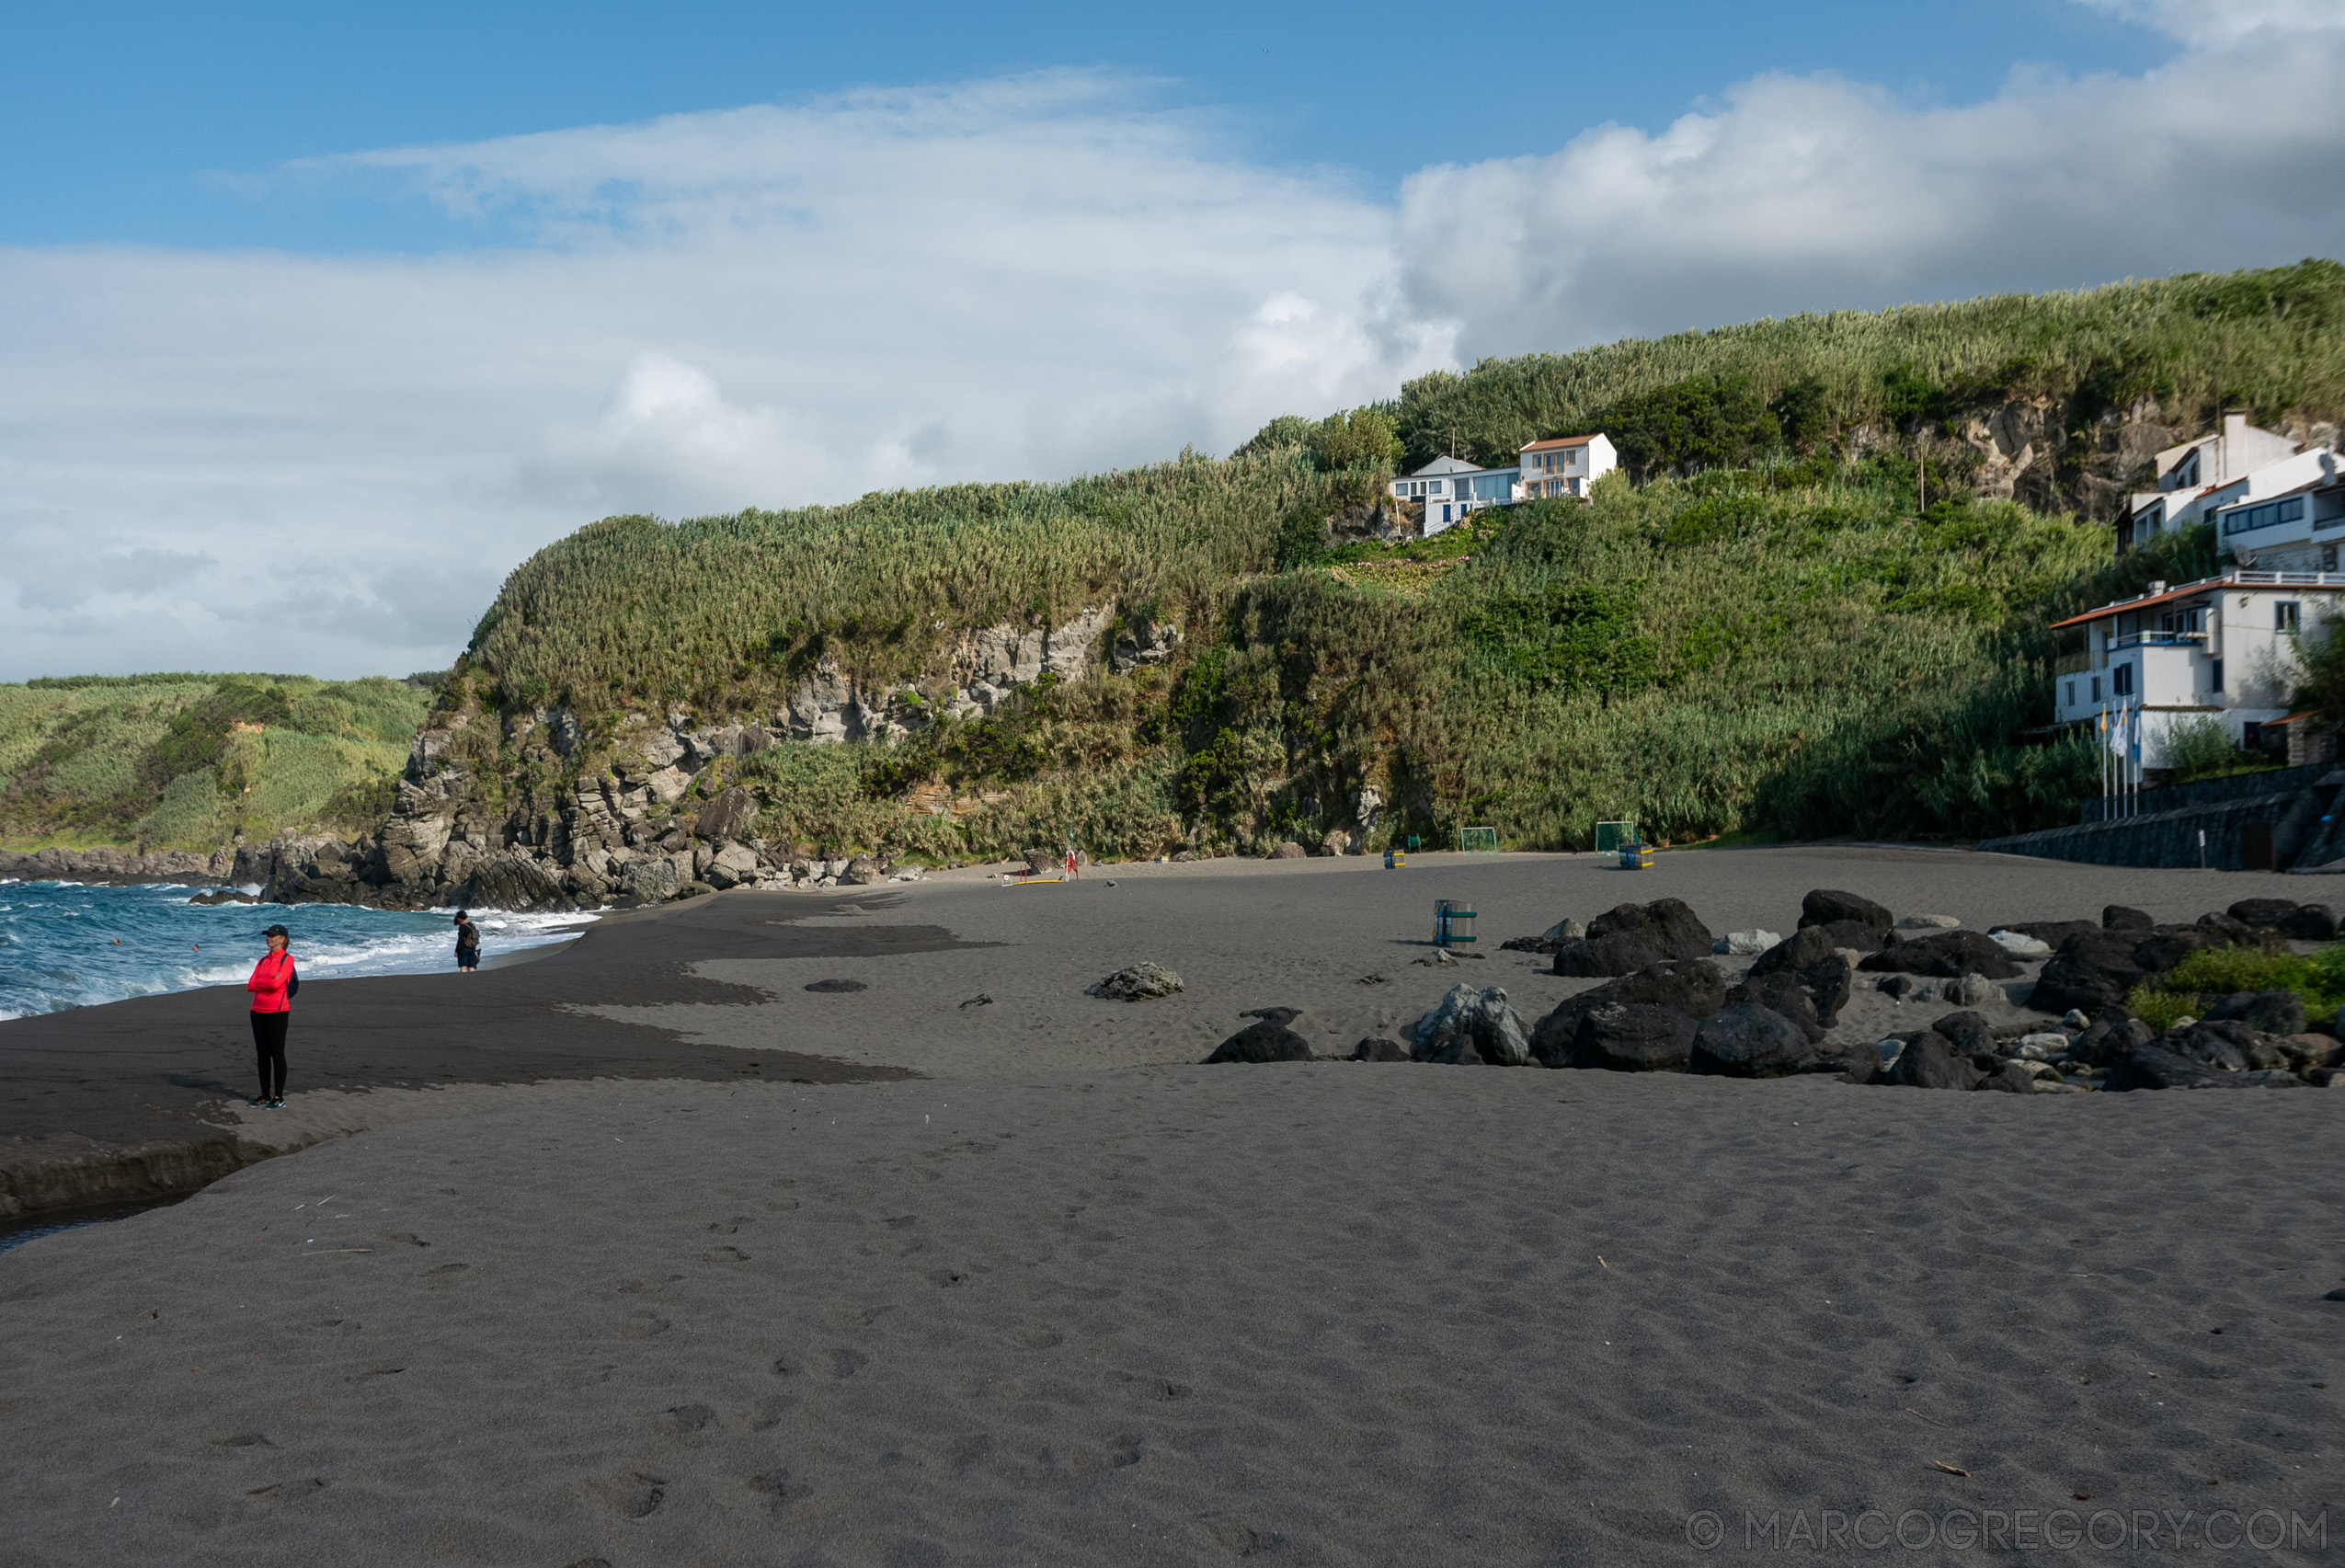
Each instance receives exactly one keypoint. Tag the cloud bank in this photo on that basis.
(1817, 193)
(265, 460)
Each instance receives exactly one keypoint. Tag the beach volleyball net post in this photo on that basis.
(1611, 836)
(1478, 840)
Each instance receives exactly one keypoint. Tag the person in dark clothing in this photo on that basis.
(467, 943)
(273, 984)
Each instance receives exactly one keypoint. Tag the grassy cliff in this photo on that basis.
(194, 761)
(1770, 634)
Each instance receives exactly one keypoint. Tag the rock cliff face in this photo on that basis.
(117, 866)
(630, 832)
(2026, 451)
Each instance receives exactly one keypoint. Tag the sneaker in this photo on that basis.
(258, 1105)
(277, 1104)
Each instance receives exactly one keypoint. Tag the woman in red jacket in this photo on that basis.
(272, 985)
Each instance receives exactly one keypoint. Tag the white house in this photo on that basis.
(2287, 528)
(2223, 646)
(1566, 466)
(2238, 462)
(1450, 489)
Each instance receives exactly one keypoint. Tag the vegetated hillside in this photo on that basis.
(2057, 399)
(1767, 634)
(195, 761)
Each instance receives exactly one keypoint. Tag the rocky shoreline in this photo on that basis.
(1667, 1007)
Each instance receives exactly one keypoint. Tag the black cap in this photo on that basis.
(277, 931)
(463, 915)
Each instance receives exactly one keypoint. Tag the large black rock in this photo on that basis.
(2089, 972)
(2118, 918)
(2109, 1036)
(1749, 1041)
(1825, 907)
(2228, 1044)
(2311, 922)
(2051, 933)
(1971, 1032)
(1811, 945)
(2168, 945)
(1266, 1039)
(2012, 1079)
(2267, 912)
(1376, 1047)
(1693, 986)
(2154, 1066)
(1947, 953)
(1634, 937)
(1929, 1062)
(2274, 1012)
(1633, 1038)
(1784, 994)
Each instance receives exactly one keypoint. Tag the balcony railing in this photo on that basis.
(2159, 639)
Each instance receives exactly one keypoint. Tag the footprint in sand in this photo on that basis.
(642, 1325)
(691, 1418)
(634, 1495)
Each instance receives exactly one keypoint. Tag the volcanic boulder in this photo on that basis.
(1749, 1041)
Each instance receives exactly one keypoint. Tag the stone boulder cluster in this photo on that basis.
(641, 830)
(1667, 1005)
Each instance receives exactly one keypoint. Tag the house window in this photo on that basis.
(2214, 676)
(2283, 617)
(2187, 470)
(2096, 688)
(2328, 557)
(2291, 510)
(2120, 681)
(2072, 693)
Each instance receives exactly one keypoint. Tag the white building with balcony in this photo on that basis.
(1450, 489)
(2295, 529)
(1565, 466)
(2224, 647)
(2239, 463)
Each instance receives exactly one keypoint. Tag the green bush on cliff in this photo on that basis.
(161, 761)
(2266, 340)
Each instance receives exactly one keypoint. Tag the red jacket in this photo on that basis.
(269, 978)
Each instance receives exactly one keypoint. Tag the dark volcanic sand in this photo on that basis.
(1318, 1313)
(1061, 1303)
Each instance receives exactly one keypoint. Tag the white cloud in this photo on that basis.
(260, 459)
(1815, 193)
(763, 307)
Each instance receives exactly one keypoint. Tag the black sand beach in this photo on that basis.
(1065, 1298)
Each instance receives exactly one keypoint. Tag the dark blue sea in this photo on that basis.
(64, 944)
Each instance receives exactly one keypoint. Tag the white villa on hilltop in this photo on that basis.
(2224, 646)
(1451, 488)
(2237, 465)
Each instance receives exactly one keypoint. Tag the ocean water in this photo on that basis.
(66, 944)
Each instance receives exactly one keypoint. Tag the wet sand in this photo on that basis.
(1067, 1298)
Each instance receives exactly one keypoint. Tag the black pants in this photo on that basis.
(269, 1045)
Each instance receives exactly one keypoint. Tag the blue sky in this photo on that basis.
(122, 121)
(391, 298)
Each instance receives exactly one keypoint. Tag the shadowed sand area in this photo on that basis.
(1067, 1298)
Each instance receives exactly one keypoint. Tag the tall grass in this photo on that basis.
(2266, 341)
(159, 761)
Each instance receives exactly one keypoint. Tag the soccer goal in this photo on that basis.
(1478, 840)
(1611, 836)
